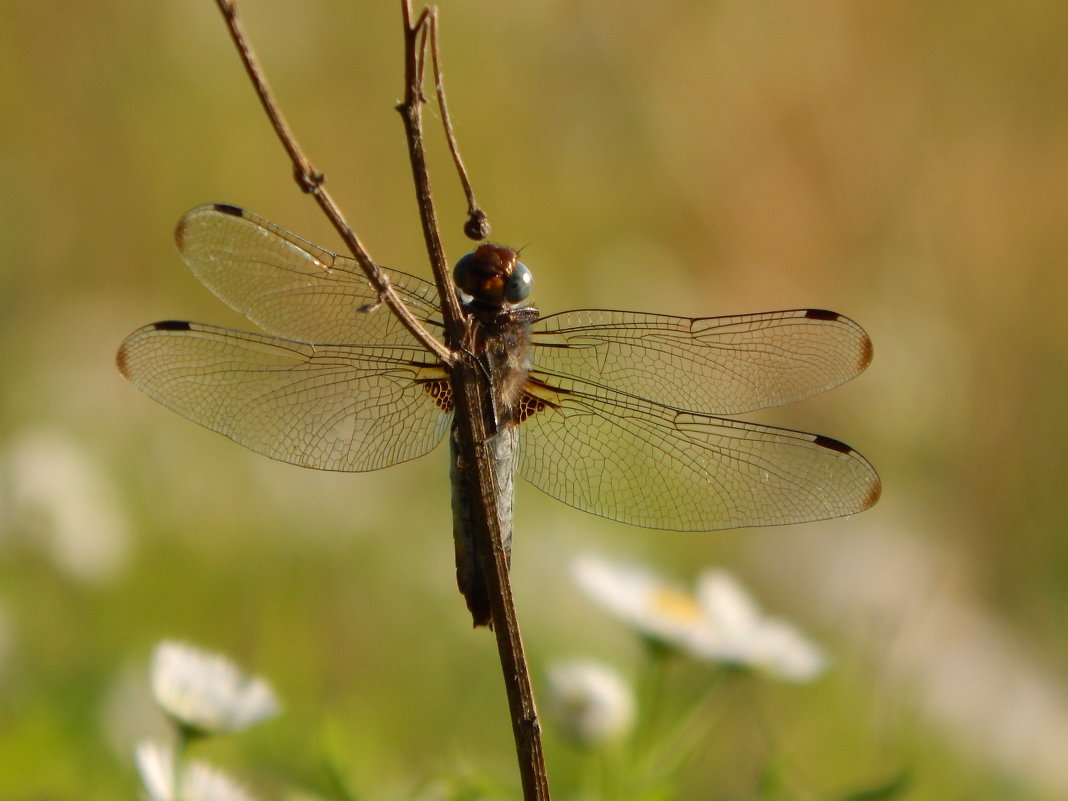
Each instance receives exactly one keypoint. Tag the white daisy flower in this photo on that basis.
(738, 633)
(657, 609)
(197, 781)
(591, 702)
(205, 692)
(720, 624)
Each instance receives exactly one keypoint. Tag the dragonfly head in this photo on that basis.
(494, 276)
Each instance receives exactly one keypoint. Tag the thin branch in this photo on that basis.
(311, 181)
(411, 112)
(470, 396)
(477, 226)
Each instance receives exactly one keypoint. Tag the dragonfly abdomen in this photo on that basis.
(470, 575)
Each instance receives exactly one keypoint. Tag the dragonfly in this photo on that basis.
(617, 413)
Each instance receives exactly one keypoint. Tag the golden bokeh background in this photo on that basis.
(904, 163)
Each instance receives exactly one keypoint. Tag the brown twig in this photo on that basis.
(311, 181)
(477, 226)
(411, 112)
(469, 394)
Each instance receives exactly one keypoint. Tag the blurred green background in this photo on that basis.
(904, 163)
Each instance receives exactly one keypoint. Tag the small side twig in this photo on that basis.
(477, 226)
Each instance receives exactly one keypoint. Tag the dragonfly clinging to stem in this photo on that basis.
(616, 413)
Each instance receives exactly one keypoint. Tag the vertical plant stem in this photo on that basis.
(469, 395)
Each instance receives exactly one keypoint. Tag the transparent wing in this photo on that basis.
(624, 458)
(290, 287)
(331, 407)
(720, 365)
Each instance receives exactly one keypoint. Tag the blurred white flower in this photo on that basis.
(721, 624)
(201, 782)
(589, 701)
(60, 495)
(737, 633)
(155, 763)
(658, 610)
(205, 692)
(197, 781)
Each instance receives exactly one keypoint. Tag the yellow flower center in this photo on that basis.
(678, 605)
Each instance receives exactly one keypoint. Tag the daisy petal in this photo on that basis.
(206, 692)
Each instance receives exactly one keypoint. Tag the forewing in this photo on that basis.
(328, 407)
(716, 365)
(627, 459)
(290, 287)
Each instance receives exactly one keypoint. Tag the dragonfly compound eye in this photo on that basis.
(519, 284)
(464, 273)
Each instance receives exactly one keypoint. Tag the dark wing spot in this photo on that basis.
(440, 392)
(171, 325)
(832, 444)
(179, 234)
(864, 359)
(226, 208)
(822, 314)
(120, 362)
